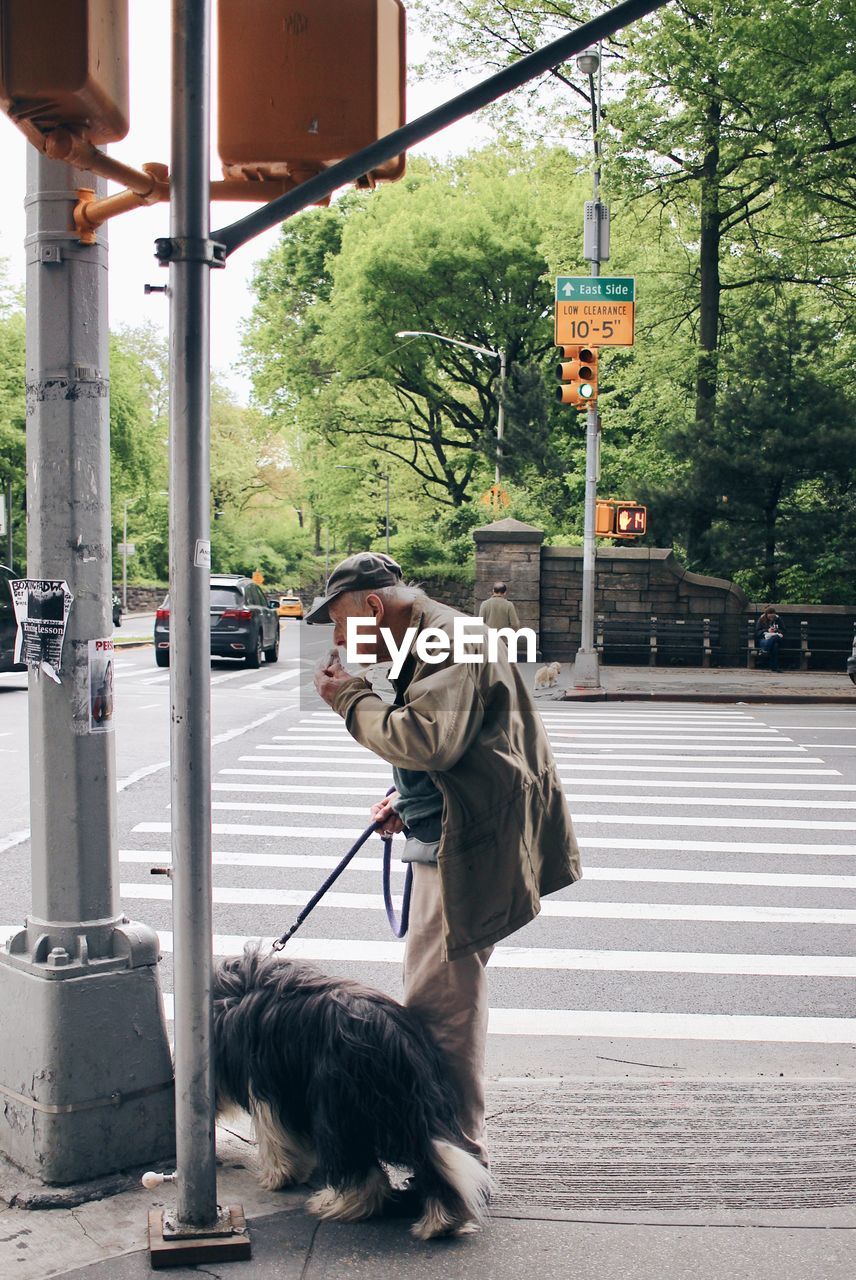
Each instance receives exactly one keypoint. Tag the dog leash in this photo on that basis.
(399, 927)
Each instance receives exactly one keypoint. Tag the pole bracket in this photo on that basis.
(170, 249)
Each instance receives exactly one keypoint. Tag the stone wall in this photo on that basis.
(509, 551)
(634, 582)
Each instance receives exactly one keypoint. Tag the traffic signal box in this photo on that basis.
(65, 63)
(304, 85)
(578, 374)
(617, 519)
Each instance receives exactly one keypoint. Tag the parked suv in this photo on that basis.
(243, 625)
(8, 625)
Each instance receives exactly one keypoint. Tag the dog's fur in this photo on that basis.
(547, 676)
(337, 1078)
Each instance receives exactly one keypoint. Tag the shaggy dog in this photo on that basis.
(548, 676)
(337, 1078)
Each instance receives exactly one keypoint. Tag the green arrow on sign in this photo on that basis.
(595, 289)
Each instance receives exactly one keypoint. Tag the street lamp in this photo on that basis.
(385, 476)
(482, 351)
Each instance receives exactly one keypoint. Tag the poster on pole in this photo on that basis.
(42, 606)
(101, 686)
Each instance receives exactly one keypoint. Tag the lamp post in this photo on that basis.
(499, 355)
(587, 661)
(384, 476)
(127, 504)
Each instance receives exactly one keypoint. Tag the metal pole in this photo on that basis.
(9, 529)
(327, 553)
(500, 418)
(387, 512)
(587, 661)
(81, 1010)
(125, 556)
(190, 659)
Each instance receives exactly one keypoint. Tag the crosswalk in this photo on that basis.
(717, 904)
(137, 673)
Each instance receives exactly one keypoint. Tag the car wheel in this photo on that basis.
(272, 654)
(162, 657)
(254, 658)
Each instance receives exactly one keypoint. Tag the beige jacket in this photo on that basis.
(507, 833)
(498, 612)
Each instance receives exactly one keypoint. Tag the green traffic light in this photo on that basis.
(586, 390)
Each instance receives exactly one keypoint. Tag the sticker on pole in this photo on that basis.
(42, 606)
(101, 673)
(599, 311)
(202, 554)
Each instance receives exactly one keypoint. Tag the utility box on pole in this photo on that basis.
(86, 1083)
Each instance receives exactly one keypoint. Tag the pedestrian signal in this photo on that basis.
(64, 64)
(578, 372)
(631, 521)
(304, 85)
(604, 517)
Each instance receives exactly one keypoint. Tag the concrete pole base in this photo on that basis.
(587, 670)
(86, 1081)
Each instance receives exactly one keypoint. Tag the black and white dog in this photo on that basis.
(337, 1078)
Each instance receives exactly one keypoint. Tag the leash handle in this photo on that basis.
(399, 928)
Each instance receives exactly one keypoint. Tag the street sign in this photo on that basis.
(597, 310)
(495, 498)
(127, 548)
(631, 521)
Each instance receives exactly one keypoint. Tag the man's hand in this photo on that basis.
(384, 813)
(330, 675)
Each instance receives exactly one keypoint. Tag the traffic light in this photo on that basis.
(64, 64)
(578, 372)
(304, 85)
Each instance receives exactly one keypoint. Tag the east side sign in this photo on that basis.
(596, 310)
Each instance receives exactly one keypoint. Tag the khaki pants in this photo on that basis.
(450, 997)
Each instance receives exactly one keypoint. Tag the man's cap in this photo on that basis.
(366, 571)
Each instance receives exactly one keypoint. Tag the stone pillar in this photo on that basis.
(510, 551)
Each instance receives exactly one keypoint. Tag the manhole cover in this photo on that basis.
(691, 1145)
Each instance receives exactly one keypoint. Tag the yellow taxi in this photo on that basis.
(290, 607)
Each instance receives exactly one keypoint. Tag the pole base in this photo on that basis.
(587, 670)
(168, 1248)
(86, 1082)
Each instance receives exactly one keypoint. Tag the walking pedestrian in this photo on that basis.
(498, 611)
(478, 797)
(769, 636)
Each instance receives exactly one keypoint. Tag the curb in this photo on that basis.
(617, 695)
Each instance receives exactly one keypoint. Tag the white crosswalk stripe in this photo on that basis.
(725, 815)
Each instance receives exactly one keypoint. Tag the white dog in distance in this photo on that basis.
(548, 676)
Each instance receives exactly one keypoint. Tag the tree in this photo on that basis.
(783, 427)
(452, 249)
(731, 119)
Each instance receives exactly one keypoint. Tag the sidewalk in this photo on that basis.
(708, 684)
(654, 1179)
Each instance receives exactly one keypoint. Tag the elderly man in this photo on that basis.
(477, 794)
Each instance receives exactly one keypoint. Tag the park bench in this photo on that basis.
(678, 640)
(823, 641)
(794, 645)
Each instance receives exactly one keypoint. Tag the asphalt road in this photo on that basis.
(714, 930)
